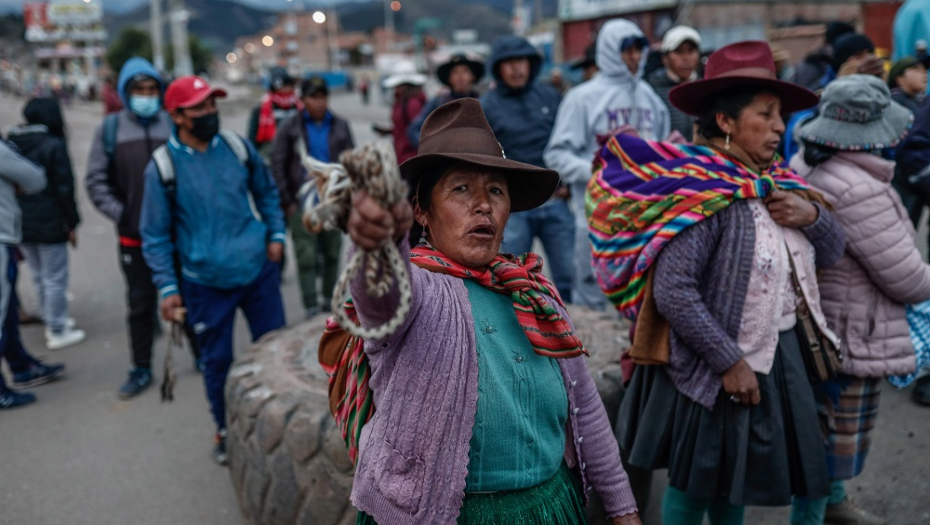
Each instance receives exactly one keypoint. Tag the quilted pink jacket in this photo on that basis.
(863, 296)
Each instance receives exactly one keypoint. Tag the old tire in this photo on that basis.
(288, 461)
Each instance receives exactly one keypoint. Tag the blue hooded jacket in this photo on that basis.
(136, 66)
(522, 119)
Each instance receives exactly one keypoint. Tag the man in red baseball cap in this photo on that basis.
(196, 208)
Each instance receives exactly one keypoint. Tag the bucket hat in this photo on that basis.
(857, 114)
(405, 72)
(589, 59)
(445, 71)
(458, 131)
(747, 63)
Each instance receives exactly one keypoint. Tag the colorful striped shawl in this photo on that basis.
(344, 360)
(643, 193)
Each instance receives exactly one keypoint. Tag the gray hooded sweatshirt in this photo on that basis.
(613, 98)
(15, 172)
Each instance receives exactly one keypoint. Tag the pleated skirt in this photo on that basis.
(758, 455)
(556, 501)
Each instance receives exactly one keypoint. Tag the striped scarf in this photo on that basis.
(344, 360)
(643, 193)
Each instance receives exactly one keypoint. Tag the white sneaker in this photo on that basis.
(70, 323)
(68, 337)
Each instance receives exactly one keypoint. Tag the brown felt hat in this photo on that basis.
(458, 131)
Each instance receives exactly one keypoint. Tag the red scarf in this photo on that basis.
(267, 126)
(521, 278)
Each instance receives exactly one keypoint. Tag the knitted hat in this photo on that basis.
(857, 114)
(848, 46)
(899, 68)
(837, 29)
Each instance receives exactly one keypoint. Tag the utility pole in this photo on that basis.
(157, 30)
(389, 25)
(179, 41)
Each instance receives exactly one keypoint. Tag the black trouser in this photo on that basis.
(142, 298)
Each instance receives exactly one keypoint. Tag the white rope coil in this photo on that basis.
(327, 201)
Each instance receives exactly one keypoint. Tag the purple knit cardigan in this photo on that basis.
(701, 281)
(413, 457)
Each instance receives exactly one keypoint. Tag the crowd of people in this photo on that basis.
(755, 223)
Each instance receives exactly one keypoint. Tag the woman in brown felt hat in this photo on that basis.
(700, 246)
(486, 412)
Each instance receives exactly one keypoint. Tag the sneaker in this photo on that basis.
(38, 373)
(921, 392)
(219, 448)
(67, 337)
(139, 379)
(70, 323)
(14, 399)
(848, 513)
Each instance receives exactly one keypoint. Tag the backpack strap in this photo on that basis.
(237, 145)
(165, 166)
(110, 127)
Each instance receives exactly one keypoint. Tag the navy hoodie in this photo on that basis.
(522, 119)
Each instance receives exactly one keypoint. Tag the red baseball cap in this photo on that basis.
(189, 91)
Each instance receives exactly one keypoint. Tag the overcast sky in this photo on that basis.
(124, 5)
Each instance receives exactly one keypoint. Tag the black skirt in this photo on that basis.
(759, 455)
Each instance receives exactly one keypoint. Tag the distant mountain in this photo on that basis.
(219, 23)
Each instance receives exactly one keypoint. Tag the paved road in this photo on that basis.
(80, 456)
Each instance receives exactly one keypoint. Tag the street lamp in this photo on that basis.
(331, 55)
(268, 40)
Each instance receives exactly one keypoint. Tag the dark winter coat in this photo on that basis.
(680, 121)
(116, 184)
(288, 172)
(522, 119)
(48, 216)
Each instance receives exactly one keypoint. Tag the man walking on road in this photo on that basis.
(196, 211)
(121, 149)
(16, 175)
(316, 132)
(522, 112)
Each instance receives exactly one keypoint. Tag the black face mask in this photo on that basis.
(206, 127)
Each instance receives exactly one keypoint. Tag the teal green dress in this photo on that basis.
(516, 474)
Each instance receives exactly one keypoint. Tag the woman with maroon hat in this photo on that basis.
(486, 412)
(712, 250)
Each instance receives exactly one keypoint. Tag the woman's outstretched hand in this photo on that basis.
(790, 210)
(629, 519)
(371, 227)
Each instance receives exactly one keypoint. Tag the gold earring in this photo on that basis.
(727, 145)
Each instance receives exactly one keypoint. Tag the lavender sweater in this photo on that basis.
(413, 456)
(701, 281)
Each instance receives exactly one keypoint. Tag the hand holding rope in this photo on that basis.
(327, 201)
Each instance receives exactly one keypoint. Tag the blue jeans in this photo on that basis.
(48, 264)
(11, 346)
(554, 224)
(212, 313)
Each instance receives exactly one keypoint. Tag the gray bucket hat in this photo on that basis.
(857, 114)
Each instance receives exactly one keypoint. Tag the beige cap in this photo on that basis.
(677, 36)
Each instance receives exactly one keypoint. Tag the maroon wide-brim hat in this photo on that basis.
(458, 131)
(748, 64)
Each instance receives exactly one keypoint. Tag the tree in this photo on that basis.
(135, 42)
(131, 42)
